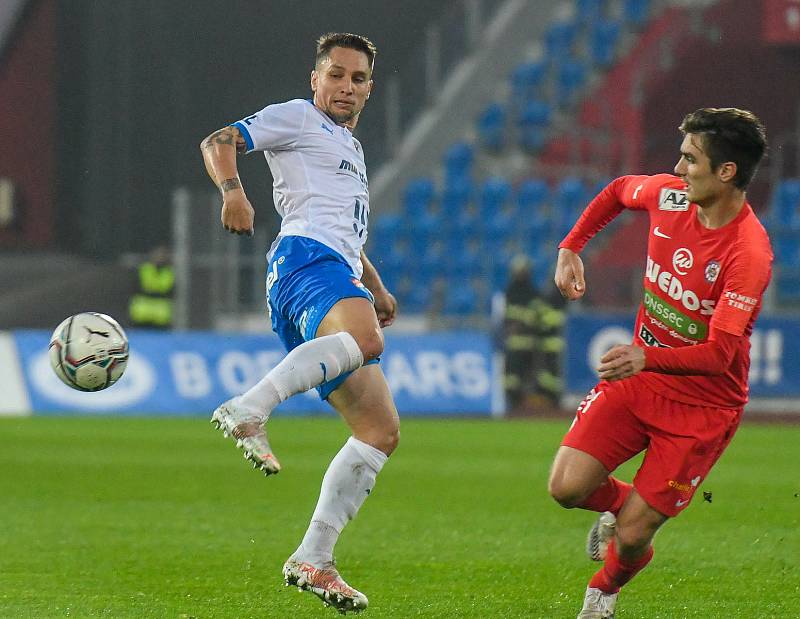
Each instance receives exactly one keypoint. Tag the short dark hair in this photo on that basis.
(730, 134)
(345, 39)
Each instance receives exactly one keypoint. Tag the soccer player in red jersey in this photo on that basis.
(677, 392)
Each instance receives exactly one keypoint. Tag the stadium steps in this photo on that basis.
(30, 283)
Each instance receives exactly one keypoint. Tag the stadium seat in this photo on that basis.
(456, 195)
(461, 299)
(461, 225)
(786, 245)
(589, 11)
(559, 40)
(427, 224)
(527, 80)
(603, 39)
(532, 123)
(569, 193)
(492, 127)
(501, 224)
(532, 194)
(494, 194)
(636, 12)
(786, 204)
(787, 285)
(418, 196)
(458, 161)
(416, 299)
(570, 76)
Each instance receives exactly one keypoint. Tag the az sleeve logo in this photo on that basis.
(672, 200)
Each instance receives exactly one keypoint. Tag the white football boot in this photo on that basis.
(598, 604)
(326, 583)
(600, 536)
(248, 431)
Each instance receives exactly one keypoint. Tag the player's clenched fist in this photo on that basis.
(569, 274)
(238, 214)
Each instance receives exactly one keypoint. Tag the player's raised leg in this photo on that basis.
(324, 358)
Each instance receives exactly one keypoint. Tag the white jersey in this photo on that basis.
(319, 184)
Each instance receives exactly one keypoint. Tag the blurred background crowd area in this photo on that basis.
(493, 123)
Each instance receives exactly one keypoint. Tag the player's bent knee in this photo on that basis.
(633, 537)
(384, 440)
(565, 494)
(371, 344)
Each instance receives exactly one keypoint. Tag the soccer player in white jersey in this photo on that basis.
(326, 300)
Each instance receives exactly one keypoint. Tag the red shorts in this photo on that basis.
(619, 419)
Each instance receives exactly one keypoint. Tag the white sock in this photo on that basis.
(307, 366)
(349, 479)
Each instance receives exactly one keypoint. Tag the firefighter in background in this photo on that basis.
(152, 305)
(533, 341)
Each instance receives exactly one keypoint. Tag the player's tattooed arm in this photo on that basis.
(227, 136)
(219, 155)
(230, 184)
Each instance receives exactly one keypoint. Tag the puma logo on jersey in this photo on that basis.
(672, 200)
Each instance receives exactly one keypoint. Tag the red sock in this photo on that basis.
(609, 497)
(616, 572)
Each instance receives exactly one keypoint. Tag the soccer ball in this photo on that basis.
(89, 351)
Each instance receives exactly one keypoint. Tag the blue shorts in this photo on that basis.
(305, 279)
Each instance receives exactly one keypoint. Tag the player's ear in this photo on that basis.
(314, 78)
(727, 171)
(369, 89)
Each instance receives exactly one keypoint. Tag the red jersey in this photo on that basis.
(696, 280)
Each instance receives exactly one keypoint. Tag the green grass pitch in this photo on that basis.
(163, 518)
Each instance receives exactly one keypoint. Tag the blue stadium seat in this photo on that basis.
(559, 40)
(786, 245)
(492, 127)
(596, 187)
(461, 225)
(501, 224)
(460, 299)
(458, 161)
(532, 122)
(527, 80)
(532, 194)
(636, 12)
(603, 39)
(384, 230)
(456, 196)
(570, 193)
(570, 77)
(418, 196)
(416, 300)
(534, 229)
(786, 204)
(494, 194)
(427, 224)
(787, 285)
(590, 11)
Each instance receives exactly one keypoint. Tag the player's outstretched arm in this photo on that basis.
(569, 274)
(219, 155)
(385, 303)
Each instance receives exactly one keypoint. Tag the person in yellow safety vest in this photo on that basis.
(152, 305)
(533, 341)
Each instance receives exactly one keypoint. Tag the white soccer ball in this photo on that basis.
(89, 351)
